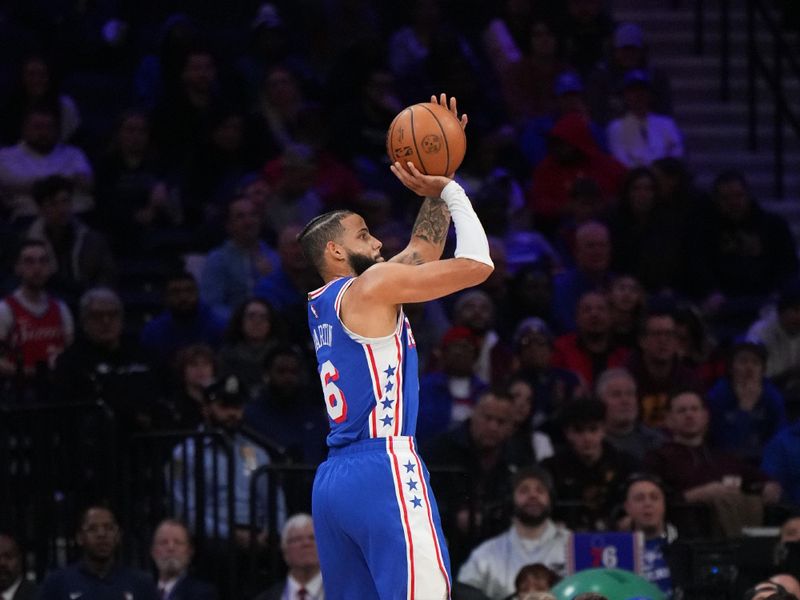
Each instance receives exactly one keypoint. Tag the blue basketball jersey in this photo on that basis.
(371, 385)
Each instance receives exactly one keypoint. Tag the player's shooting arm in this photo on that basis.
(429, 234)
(397, 283)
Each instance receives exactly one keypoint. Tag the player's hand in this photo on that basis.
(453, 107)
(422, 185)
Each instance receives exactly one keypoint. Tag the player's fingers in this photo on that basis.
(443, 99)
(464, 121)
(413, 170)
(400, 172)
(434, 99)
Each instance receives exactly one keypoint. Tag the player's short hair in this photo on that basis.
(318, 232)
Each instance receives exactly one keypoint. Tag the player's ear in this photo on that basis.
(335, 250)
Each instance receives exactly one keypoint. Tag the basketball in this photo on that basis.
(428, 135)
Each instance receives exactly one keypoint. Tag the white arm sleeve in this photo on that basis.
(471, 241)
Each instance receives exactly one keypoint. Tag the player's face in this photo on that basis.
(362, 248)
(645, 506)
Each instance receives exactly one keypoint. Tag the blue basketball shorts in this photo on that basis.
(377, 526)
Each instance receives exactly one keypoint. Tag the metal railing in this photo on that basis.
(54, 460)
(771, 66)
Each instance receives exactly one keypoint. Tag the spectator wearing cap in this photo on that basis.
(588, 470)
(223, 413)
(645, 502)
(450, 392)
(779, 332)
(616, 388)
(746, 408)
(532, 538)
(605, 83)
(591, 348)
(569, 96)
(641, 136)
(552, 387)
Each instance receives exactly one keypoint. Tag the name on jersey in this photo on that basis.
(323, 335)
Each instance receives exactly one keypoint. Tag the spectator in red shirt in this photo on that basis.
(573, 154)
(590, 350)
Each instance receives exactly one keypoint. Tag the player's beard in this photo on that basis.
(359, 262)
(529, 518)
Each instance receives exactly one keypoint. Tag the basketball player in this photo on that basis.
(375, 518)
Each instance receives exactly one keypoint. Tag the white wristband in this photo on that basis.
(471, 241)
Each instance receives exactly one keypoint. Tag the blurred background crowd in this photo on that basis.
(633, 363)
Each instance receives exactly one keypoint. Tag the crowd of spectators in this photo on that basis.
(636, 350)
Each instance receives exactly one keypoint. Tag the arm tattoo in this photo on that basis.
(409, 258)
(432, 222)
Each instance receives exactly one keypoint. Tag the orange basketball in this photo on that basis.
(429, 136)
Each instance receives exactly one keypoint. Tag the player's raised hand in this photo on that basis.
(452, 107)
(422, 185)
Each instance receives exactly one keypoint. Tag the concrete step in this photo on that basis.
(751, 161)
(655, 19)
(690, 89)
(696, 67)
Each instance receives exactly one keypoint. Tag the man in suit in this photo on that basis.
(172, 552)
(299, 547)
(12, 584)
